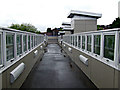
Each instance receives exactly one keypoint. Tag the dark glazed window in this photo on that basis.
(97, 39)
(9, 46)
(73, 41)
(19, 44)
(79, 41)
(29, 42)
(109, 43)
(32, 41)
(25, 42)
(83, 42)
(89, 43)
(76, 41)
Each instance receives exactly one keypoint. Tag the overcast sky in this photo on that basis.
(51, 13)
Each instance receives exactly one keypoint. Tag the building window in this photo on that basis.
(29, 42)
(25, 42)
(69, 39)
(76, 41)
(35, 40)
(89, 44)
(97, 39)
(39, 39)
(9, 46)
(73, 41)
(83, 42)
(79, 41)
(32, 41)
(109, 43)
(19, 44)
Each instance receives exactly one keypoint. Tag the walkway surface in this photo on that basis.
(56, 70)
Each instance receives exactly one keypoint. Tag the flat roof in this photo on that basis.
(68, 29)
(66, 23)
(83, 13)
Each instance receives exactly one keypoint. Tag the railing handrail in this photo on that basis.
(15, 30)
(99, 31)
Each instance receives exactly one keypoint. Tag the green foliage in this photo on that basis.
(99, 27)
(38, 32)
(25, 27)
(49, 30)
(116, 23)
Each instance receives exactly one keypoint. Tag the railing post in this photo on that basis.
(4, 48)
(15, 46)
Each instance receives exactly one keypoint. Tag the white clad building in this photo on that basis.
(83, 21)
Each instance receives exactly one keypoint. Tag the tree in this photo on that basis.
(38, 32)
(25, 27)
(49, 30)
(100, 27)
(116, 23)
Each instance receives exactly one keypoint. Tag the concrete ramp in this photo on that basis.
(56, 70)
(52, 39)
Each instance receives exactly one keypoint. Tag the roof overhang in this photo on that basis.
(68, 29)
(66, 23)
(82, 13)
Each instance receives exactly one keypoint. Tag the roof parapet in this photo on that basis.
(66, 23)
(68, 29)
(83, 13)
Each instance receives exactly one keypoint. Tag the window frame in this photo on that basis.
(26, 43)
(76, 40)
(36, 40)
(13, 52)
(118, 47)
(84, 43)
(29, 44)
(87, 43)
(107, 60)
(32, 42)
(97, 55)
(21, 45)
(71, 40)
(80, 41)
(2, 60)
(14, 39)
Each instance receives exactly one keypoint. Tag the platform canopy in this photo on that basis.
(84, 14)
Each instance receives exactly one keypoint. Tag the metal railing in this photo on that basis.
(15, 44)
(102, 45)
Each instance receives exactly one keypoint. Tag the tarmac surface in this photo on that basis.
(56, 70)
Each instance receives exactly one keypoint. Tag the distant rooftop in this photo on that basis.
(66, 23)
(82, 13)
(68, 29)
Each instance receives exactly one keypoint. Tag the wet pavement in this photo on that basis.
(56, 70)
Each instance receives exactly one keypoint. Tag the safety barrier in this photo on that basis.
(97, 53)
